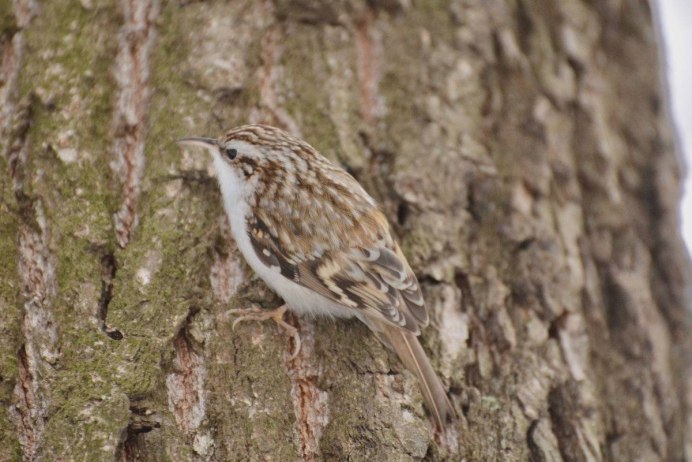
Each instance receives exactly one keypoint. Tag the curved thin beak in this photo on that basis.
(198, 141)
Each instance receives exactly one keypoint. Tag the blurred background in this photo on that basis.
(676, 17)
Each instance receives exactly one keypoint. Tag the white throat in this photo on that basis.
(235, 202)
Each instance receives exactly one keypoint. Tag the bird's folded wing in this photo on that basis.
(376, 279)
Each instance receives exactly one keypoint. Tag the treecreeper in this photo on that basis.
(318, 239)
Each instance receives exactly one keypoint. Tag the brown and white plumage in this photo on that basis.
(318, 239)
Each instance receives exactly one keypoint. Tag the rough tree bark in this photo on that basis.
(520, 148)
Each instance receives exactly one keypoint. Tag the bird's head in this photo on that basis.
(253, 157)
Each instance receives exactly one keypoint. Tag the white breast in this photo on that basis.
(299, 299)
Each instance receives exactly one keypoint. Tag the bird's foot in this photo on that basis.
(257, 314)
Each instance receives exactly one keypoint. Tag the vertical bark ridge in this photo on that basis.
(270, 109)
(36, 271)
(310, 403)
(185, 388)
(39, 351)
(132, 68)
(368, 45)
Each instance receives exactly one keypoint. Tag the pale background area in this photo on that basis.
(676, 27)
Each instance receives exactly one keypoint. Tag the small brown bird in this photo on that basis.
(314, 235)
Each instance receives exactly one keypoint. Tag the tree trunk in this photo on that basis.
(520, 148)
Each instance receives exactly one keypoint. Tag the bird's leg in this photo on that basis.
(257, 314)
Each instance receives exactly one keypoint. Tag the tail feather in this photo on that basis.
(411, 353)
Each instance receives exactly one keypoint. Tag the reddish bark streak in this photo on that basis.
(186, 393)
(310, 404)
(35, 270)
(132, 74)
(186, 386)
(368, 50)
(268, 76)
(39, 351)
(25, 403)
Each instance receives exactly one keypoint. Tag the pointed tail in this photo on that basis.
(409, 350)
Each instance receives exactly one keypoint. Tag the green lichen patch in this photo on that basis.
(10, 313)
(10, 317)
(100, 420)
(8, 20)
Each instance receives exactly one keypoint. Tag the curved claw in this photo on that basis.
(296, 347)
(254, 313)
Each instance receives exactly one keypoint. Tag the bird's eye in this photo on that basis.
(231, 153)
